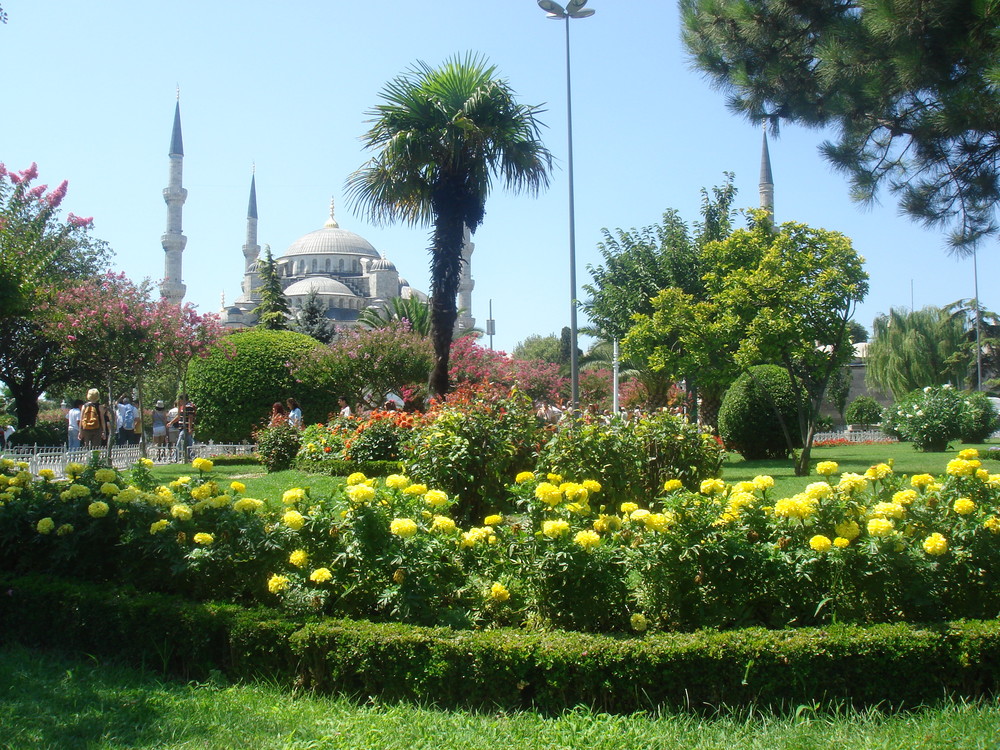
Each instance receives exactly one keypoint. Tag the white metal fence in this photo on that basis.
(856, 436)
(56, 458)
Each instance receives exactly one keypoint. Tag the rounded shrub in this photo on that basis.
(235, 385)
(748, 422)
(929, 418)
(981, 419)
(43, 433)
(863, 410)
(277, 446)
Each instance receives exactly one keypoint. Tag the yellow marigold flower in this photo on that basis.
(905, 497)
(147, 462)
(878, 471)
(554, 478)
(888, 510)
(638, 622)
(293, 520)
(46, 474)
(65, 529)
(202, 464)
(359, 494)
(499, 592)
(443, 524)
(74, 469)
(880, 527)
(657, 521)
(416, 489)
(356, 478)
(818, 490)
(993, 524)
(848, 530)
(79, 490)
(959, 467)
(181, 512)
(237, 487)
(639, 515)
(840, 542)
(555, 528)
(963, 506)
(474, 536)
(157, 526)
(591, 485)
(110, 489)
(629, 507)
(672, 485)
(712, 487)
(299, 558)
(247, 505)
(276, 584)
(105, 475)
(850, 482)
(524, 476)
(403, 527)
(968, 453)
(436, 499)
(128, 494)
(203, 492)
(397, 482)
(293, 496)
(203, 538)
(574, 492)
(740, 500)
(45, 526)
(827, 468)
(98, 509)
(495, 520)
(320, 575)
(798, 506)
(920, 481)
(548, 493)
(763, 482)
(935, 544)
(820, 543)
(587, 539)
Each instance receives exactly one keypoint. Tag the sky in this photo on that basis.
(286, 89)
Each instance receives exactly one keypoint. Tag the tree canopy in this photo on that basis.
(909, 86)
(442, 136)
(272, 312)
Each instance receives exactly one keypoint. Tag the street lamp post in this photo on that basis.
(573, 9)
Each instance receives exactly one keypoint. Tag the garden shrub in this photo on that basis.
(863, 410)
(278, 445)
(337, 467)
(236, 384)
(748, 422)
(43, 433)
(929, 418)
(981, 419)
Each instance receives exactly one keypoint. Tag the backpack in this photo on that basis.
(128, 417)
(90, 417)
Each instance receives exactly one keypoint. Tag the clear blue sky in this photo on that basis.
(89, 91)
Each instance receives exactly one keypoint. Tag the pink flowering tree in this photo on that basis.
(40, 253)
(472, 363)
(118, 328)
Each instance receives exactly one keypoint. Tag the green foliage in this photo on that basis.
(929, 418)
(338, 467)
(272, 312)
(544, 348)
(632, 458)
(981, 419)
(472, 445)
(864, 410)
(749, 421)
(236, 384)
(277, 446)
(413, 310)
(41, 433)
(311, 319)
(904, 85)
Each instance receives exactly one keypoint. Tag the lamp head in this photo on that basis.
(555, 10)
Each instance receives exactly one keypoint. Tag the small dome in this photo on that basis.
(319, 284)
(234, 311)
(381, 264)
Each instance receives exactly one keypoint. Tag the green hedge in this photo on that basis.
(339, 468)
(898, 665)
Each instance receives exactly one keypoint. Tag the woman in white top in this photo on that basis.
(345, 409)
(294, 414)
(73, 425)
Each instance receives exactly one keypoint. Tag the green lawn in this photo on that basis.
(50, 700)
(258, 482)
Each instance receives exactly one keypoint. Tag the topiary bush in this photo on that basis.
(981, 419)
(929, 418)
(235, 385)
(863, 410)
(748, 423)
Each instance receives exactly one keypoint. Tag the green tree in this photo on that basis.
(910, 87)
(911, 350)
(413, 310)
(543, 348)
(311, 320)
(443, 135)
(272, 312)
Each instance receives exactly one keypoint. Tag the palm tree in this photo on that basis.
(442, 136)
(414, 311)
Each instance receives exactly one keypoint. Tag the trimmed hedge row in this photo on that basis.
(337, 467)
(509, 669)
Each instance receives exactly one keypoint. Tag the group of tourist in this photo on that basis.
(90, 424)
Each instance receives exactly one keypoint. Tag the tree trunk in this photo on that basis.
(25, 405)
(446, 266)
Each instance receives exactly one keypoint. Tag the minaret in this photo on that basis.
(766, 180)
(251, 250)
(172, 287)
(465, 285)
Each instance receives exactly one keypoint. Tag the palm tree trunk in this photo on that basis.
(446, 266)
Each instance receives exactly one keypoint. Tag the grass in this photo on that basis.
(258, 482)
(52, 700)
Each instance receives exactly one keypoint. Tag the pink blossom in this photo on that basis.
(37, 190)
(71, 337)
(30, 173)
(56, 196)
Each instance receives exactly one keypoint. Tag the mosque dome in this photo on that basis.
(319, 284)
(331, 240)
(382, 264)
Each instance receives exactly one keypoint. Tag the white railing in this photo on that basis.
(855, 436)
(56, 458)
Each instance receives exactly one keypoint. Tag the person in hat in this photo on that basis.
(160, 430)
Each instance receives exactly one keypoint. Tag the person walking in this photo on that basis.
(160, 430)
(94, 422)
(73, 425)
(184, 422)
(127, 414)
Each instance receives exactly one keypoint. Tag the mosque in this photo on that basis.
(345, 271)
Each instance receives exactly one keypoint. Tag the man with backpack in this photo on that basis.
(93, 421)
(127, 414)
(184, 422)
